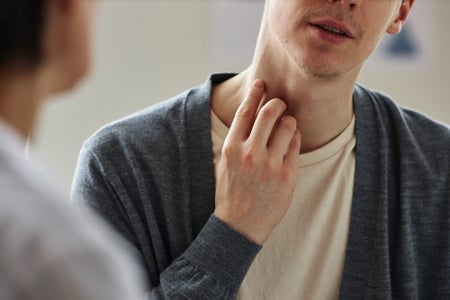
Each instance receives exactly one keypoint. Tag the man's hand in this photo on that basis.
(258, 168)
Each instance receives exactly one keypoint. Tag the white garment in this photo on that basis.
(47, 249)
(304, 256)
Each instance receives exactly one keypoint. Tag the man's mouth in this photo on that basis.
(333, 29)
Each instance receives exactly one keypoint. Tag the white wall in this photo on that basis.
(425, 88)
(149, 50)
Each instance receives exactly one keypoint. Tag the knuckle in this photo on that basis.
(269, 166)
(243, 112)
(267, 112)
(249, 157)
(288, 173)
(296, 142)
(228, 150)
(272, 165)
(288, 123)
(273, 108)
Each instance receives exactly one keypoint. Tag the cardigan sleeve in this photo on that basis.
(211, 267)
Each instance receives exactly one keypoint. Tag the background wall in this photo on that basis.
(149, 50)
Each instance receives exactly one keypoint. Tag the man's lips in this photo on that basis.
(334, 27)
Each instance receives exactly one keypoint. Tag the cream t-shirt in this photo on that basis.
(304, 256)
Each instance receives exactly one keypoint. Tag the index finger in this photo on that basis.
(245, 115)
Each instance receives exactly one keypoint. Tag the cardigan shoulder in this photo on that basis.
(152, 129)
(410, 135)
(414, 123)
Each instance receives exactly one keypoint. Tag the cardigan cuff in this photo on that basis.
(223, 252)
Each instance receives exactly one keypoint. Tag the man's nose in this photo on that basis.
(347, 3)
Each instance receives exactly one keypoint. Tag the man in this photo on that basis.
(46, 250)
(210, 188)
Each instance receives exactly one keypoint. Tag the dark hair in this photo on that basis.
(21, 27)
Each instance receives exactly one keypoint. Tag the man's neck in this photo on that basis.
(323, 107)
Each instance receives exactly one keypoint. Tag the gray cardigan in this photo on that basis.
(151, 175)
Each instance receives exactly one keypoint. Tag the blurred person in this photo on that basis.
(288, 180)
(47, 250)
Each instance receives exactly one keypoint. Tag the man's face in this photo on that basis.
(328, 38)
